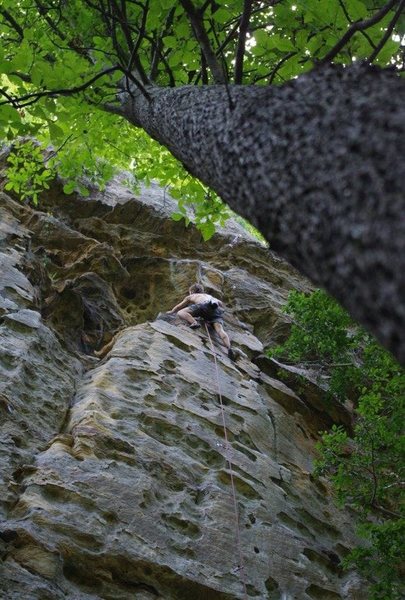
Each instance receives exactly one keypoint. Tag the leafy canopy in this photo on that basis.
(61, 64)
(367, 467)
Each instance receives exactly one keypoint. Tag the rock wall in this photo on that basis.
(115, 480)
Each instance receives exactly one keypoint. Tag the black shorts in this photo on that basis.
(209, 311)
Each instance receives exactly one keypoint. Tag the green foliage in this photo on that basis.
(250, 229)
(367, 472)
(383, 559)
(50, 45)
(367, 466)
(322, 333)
(319, 329)
(27, 173)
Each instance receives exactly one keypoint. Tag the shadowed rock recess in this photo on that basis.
(114, 479)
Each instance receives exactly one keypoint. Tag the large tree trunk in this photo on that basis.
(316, 165)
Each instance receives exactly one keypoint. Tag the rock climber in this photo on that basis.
(206, 307)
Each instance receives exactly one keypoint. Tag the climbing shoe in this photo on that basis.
(195, 326)
(231, 354)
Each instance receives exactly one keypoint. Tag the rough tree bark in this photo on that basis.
(317, 165)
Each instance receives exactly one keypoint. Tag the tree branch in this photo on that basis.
(157, 53)
(23, 76)
(120, 17)
(357, 26)
(138, 84)
(110, 22)
(231, 35)
(202, 38)
(115, 109)
(204, 74)
(364, 34)
(20, 102)
(254, 11)
(10, 99)
(17, 28)
(43, 11)
(204, 7)
(240, 50)
(279, 65)
(117, 17)
(134, 58)
(386, 511)
(373, 474)
(388, 33)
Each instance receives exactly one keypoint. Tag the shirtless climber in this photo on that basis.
(206, 307)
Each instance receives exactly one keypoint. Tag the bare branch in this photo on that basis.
(172, 81)
(157, 53)
(117, 17)
(110, 22)
(388, 32)
(17, 28)
(385, 511)
(204, 7)
(27, 99)
(264, 6)
(364, 34)
(231, 35)
(224, 66)
(23, 76)
(240, 50)
(138, 84)
(44, 12)
(10, 99)
(115, 109)
(120, 18)
(197, 24)
(141, 35)
(373, 474)
(279, 65)
(357, 26)
(55, 152)
(204, 74)
(158, 56)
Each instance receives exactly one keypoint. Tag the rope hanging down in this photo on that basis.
(228, 460)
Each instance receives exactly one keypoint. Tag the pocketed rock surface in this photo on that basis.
(115, 475)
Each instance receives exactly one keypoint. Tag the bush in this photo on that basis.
(366, 470)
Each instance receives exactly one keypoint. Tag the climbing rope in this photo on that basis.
(230, 466)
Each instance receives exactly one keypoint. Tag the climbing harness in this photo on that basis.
(228, 460)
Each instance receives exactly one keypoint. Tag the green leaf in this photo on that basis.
(83, 190)
(182, 30)
(166, 3)
(207, 230)
(170, 41)
(261, 37)
(357, 10)
(69, 188)
(55, 131)
(222, 16)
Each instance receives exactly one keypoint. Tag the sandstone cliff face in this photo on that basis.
(114, 475)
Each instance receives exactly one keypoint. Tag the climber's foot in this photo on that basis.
(231, 354)
(195, 325)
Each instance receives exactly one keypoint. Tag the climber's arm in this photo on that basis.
(182, 304)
